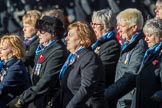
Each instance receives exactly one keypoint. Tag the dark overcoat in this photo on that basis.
(28, 59)
(83, 82)
(109, 52)
(45, 80)
(129, 62)
(14, 81)
(149, 81)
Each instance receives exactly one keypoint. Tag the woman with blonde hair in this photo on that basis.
(130, 24)
(14, 79)
(31, 39)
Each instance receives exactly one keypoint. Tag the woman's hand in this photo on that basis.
(15, 103)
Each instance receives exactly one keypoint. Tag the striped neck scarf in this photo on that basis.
(104, 37)
(1, 65)
(70, 61)
(126, 43)
(28, 41)
(41, 47)
(153, 50)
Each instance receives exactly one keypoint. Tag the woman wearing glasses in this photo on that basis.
(106, 46)
(51, 53)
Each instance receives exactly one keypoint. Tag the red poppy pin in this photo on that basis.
(155, 62)
(41, 58)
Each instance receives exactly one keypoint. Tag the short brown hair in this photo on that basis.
(84, 31)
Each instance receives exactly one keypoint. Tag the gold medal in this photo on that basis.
(97, 50)
(125, 61)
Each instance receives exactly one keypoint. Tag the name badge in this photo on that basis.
(37, 69)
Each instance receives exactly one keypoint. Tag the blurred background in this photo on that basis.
(11, 11)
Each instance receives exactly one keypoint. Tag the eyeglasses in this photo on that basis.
(95, 24)
(41, 31)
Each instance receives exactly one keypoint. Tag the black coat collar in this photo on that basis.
(10, 62)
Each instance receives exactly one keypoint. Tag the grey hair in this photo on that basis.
(107, 18)
(153, 26)
(132, 16)
(159, 1)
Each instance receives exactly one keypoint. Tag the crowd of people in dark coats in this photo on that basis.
(11, 11)
(110, 60)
